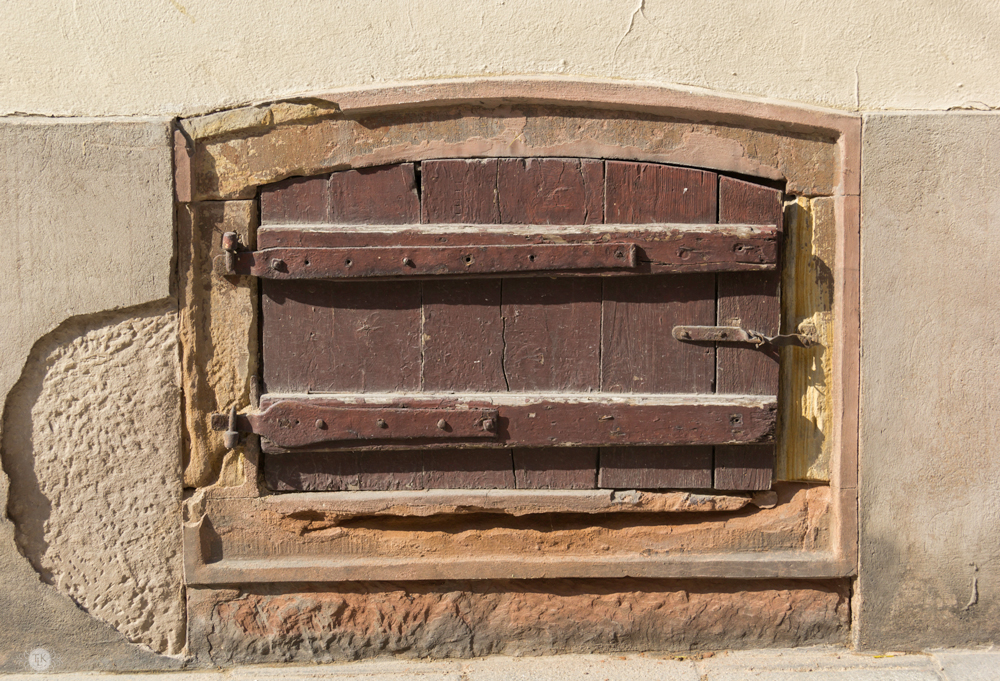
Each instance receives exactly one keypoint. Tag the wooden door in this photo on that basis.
(508, 323)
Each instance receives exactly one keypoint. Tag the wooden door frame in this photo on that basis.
(221, 159)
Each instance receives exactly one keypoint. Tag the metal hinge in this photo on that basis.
(736, 334)
(352, 262)
(290, 423)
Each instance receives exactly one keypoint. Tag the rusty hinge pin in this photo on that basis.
(230, 244)
(231, 437)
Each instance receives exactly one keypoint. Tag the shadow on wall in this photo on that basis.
(91, 445)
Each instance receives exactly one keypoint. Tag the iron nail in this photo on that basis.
(321, 424)
(489, 425)
(442, 424)
(381, 423)
(407, 262)
(277, 264)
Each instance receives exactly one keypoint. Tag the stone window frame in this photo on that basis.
(221, 159)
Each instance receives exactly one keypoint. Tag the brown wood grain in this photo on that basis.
(297, 327)
(459, 191)
(647, 192)
(551, 191)
(552, 333)
(555, 468)
(655, 468)
(748, 300)
(639, 354)
(462, 336)
(383, 195)
(297, 199)
(327, 336)
(389, 471)
(745, 467)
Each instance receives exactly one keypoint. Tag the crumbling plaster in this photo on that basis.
(88, 225)
(190, 56)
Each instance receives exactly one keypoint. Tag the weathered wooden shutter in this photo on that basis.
(514, 323)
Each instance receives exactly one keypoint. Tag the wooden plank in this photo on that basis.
(647, 192)
(639, 354)
(297, 325)
(551, 327)
(297, 199)
(459, 191)
(748, 467)
(655, 468)
(749, 300)
(742, 202)
(550, 191)
(324, 336)
(376, 337)
(531, 420)
(462, 328)
(462, 336)
(388, 471)
(552, 333)
(386, 195)
(553, 468)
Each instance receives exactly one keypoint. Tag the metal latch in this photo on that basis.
(289, 423)
(736, 334)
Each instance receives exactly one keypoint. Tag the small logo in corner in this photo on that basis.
(39, 659)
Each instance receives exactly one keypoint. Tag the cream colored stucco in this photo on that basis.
(88, 57)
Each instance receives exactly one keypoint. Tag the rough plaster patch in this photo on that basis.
(91, 441)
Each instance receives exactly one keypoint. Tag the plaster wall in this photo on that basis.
(88, 227)
(190, 56)
(929, 572)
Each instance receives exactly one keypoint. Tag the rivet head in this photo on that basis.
(407, 262)
(442, 424)
(489, 425)
(321, 424)
(277, 264)
(381, 423)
